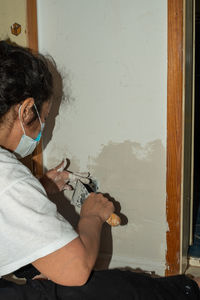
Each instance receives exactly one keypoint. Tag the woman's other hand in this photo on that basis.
(58, 179)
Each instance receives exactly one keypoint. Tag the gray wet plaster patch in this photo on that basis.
(135, 176)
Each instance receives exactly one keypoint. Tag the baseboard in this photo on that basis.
(194, 261)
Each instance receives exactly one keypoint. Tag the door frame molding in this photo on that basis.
(32, 42)
(174, 134)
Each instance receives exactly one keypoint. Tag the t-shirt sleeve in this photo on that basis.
(31, 226)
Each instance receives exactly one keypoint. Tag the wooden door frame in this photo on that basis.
(175, 133)
(32, 42)
(174, 124)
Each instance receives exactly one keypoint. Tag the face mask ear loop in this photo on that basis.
(19, 112)
(38, 115)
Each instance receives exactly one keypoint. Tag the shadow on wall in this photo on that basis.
(61, 200)
(69, 213)
(59, 98)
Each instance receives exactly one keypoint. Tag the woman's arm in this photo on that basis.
(72, 264)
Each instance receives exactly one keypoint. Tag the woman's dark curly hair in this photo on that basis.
(22, 75)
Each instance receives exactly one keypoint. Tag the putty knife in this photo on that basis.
(81, 192)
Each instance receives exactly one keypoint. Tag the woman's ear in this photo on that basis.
(26, 111)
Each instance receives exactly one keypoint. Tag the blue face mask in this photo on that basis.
(27, 145)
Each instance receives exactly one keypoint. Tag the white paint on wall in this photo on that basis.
(113, 54)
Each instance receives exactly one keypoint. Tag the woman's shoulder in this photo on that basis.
(17, 181)
(11, 169)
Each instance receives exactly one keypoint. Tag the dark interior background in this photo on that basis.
(197, 119)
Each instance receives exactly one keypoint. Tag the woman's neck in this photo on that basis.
(10, 132)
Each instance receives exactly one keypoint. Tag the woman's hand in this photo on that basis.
(57, 179)
(96, 205)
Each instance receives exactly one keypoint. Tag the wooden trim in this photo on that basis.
(174, 134)
(32, 40)
(32, 34)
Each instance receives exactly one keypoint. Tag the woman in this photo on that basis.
(32, 231)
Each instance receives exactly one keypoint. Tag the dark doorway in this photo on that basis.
(194, 250)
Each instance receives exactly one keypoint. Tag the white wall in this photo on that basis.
(113, 55)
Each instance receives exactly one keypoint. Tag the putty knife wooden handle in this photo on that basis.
(79, 196)
(114, 220)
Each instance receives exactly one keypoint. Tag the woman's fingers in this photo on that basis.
(73, 178)
(61, 166)
(67, 187)
(62, 178)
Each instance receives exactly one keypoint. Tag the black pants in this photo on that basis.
(105, 285)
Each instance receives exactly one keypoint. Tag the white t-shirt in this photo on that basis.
(30, 226)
